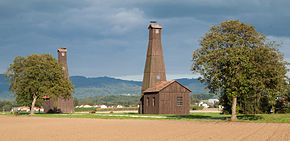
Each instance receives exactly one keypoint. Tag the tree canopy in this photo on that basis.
(235, 60)
(35, 76)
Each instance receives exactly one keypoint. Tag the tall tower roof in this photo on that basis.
(154, 72)
(62, 50)
(151, 26)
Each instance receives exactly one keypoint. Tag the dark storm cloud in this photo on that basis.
(270, 16)
(109, 37)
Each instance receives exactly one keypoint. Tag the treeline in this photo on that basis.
(6, 105)
(196, 98)
(258, 103)
(109, 100)
(128, 100)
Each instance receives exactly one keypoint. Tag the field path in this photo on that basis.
(85, 129)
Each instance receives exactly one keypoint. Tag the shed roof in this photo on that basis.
(162, 86)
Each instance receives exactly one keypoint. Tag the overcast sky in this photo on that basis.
(109, 37)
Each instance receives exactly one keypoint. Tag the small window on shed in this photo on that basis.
(147, 101)
(153, 103)
(179, 101)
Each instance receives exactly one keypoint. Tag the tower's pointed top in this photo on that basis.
(151, 26)
(62, 50)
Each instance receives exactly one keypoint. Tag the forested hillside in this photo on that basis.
(102, 86)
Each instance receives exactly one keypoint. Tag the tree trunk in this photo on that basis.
(273, 110)
(234, 106)
(32, 105)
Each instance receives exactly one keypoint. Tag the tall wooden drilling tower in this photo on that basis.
(63, 105)
(154, 71)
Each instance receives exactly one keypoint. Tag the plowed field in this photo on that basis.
(84, 129)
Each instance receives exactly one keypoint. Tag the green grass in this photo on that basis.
(105, 109)
(269, 118)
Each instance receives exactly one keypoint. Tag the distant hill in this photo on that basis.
(194, 85)
(102, 86)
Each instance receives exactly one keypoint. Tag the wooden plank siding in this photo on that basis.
(166, 100)
(149, 105)
(62, 106)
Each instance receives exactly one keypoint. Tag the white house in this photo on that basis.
(88, 106)
(27, 109)
(119, 106)
(104, 106)
(38, 109)
(212, 101)
(203, 104)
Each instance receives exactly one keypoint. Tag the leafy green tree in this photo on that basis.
(35, 76)
(6, 108)
(235, 60)
(6, 105)
(76, 102)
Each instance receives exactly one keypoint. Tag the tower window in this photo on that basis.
(153, 103)
(157, 77)
(179, 101)
(156, 31)
(62, 54)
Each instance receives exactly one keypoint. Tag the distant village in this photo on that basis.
(203, 104)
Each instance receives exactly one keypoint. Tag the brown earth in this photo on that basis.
(83, 129)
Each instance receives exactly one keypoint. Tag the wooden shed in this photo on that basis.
(169, 97)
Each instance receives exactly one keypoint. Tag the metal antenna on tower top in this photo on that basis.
(153, 21)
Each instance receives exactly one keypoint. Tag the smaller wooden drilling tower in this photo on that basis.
(64, 105)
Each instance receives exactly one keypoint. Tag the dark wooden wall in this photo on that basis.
(48, 106)
(166, 101)
(62, 106)
(149, 108)
(66, 105)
